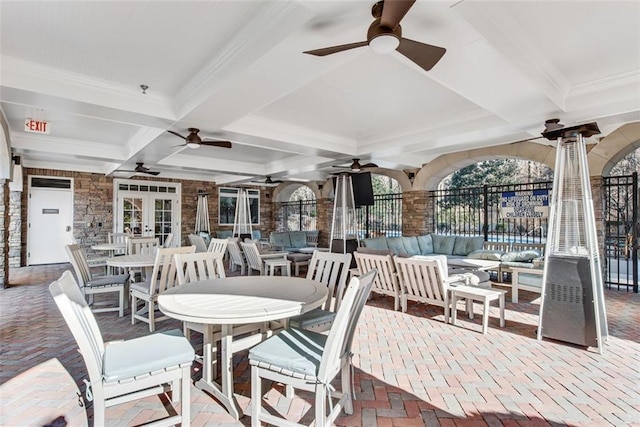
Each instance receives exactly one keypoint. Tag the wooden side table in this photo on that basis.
(483, 295)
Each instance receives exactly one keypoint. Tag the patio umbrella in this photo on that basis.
(202, 214)
(242, 220)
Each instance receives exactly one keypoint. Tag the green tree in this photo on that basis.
(489, 172)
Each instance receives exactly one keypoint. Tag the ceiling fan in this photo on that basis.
(269, 181)
(549, 125)
(385, 35)
(193, 140)
(357, 167)
(141, 169)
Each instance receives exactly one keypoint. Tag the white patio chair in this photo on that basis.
(255, 260)
(119, 238)
(310, 361)
(218, 246)
(122, 371)
(426, 281)
(207, 266)
(168, 241)
(330, 269)
(141, 245)
(198, 242)
(236, 257)
(163, 277)
(91, 285)
(386, 281)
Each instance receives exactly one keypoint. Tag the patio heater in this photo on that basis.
(572, 307)
(344, 226)
(202, 213)
(242, 220)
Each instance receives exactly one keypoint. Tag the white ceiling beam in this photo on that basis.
(46, 144)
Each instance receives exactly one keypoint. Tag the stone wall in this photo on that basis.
(416, 213)
(93, 206)
(4, 233)
(15, 228)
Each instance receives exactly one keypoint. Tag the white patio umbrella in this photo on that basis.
(202, 214)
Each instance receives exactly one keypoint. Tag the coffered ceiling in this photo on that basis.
(236, 71)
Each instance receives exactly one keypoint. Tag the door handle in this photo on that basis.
(68, 228)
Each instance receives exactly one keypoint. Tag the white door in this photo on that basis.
(146, 212)
(50, 222)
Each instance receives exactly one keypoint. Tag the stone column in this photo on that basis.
(417, 212)
(325, 214)
(15, 228)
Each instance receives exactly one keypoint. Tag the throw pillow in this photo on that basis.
(520, 256)
(486, 254)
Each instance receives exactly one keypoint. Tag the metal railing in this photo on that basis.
(476, 212)
(622, 257)
(383, 218)
(299, 215)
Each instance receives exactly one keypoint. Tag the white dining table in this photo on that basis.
(237, 301)
(132, 262)
(112, 247)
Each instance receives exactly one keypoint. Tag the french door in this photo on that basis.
(146, 208)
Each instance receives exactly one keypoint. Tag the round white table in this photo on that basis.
(237, 301)
(109, 247)
(132, 261)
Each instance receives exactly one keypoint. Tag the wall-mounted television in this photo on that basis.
(362, 189)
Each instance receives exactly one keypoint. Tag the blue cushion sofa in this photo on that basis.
(450, 245)
(293, 241)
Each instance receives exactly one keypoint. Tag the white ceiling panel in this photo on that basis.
(237, 71)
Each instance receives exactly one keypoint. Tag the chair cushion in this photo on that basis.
(376, 243)
(426, 244)
(311, 318)
(396, 244)
(141, 287)
(293, 349)
(298, 239)
(411, 245)
(466, 245)
(370, 251)
(486, 254)
(116, 279)
(138, 356)
(280, 239)
(443, 244)
(520, 256)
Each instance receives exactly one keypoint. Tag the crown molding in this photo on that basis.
(631, 78)
(30, 76)
(275, 20)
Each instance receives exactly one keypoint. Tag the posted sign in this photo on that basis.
(525, 204)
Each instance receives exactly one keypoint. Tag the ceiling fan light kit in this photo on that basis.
(193, 140)
(385, 35)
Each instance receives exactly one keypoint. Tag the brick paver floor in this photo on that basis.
(411, 369)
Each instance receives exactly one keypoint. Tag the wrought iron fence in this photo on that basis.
(476, 212)
(383, 218)
(299, 215)
(621, 231)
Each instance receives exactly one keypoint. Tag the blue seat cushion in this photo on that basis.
(116, 279)
(465, 245)
(426, 244)
(280, 239)
(396, 244)
(379, 243)
(443, 244)
(315, 317)
(411, 245)
(138, 356)
(298, 239)
(293, 349)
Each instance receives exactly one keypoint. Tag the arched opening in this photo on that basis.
(500, 199)
(297, 209)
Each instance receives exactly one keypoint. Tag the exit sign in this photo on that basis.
(36, 126)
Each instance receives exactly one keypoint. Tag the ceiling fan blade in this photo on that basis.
(424, 55)
(223, 144)
(393, 11)
(176, 134)
(154, 173)
(335, 49)
(368, 165)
